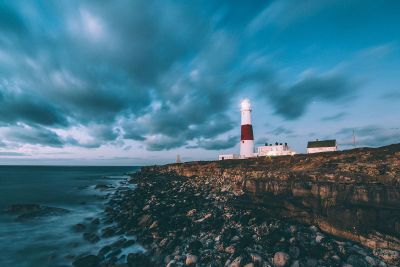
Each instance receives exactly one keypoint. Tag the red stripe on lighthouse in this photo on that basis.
(247, 132)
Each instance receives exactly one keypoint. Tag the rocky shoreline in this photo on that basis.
(191, 221)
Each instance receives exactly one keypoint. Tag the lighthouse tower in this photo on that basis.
(247, 138)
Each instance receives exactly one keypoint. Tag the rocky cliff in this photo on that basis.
(353, 194)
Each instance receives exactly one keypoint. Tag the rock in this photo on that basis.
(103, 187)
(236, 262)
(389, 256)
(33, 211)
(195, 246)
(91, 237)
(294, 252)
(371, 261)
(336, 258)
(319, 238)
(87, 261)
(281, 259)
(205, 217)
(191, 212)
(108, 231)
(95, 221)
(311, 262)
(296, 263)
(79, 227)
(230, 249)
(357, 261)
(190, 259)
(256, 258)
(138, 259)
(154, 225)
(171, 263)
(144, 220)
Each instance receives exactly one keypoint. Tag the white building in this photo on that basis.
(275, 150)
(229, 156)
(321, 146)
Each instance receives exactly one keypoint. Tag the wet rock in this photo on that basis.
(103, 187)
(87, 261)
(236, 262)
(281, 259)
(91, 237)
(256, 258)
(145, 220)
(138, 259)
(95, 221)
(33, 211)
(191, 259)
(294, 252)
(108, 231)
(230, 249)
(389, 256)
(371, 261)
(357, 260)
(311, 262)
(79, 227)
(191, 212)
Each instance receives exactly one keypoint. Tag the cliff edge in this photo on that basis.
(354, 194)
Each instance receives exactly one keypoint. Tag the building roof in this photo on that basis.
(323, 143)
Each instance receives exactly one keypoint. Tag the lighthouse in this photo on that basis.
(246, 138)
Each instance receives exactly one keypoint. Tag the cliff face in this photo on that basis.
(353, 194)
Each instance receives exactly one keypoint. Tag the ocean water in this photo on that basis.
(51, 240)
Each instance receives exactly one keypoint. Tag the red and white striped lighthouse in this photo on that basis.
(247, 138)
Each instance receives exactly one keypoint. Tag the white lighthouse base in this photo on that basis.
(247, 148)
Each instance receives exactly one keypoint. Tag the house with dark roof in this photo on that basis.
(321, 146)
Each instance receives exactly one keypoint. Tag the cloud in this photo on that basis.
(37, 135)
(391, 96)
(292, 101)
(280, 130)
(218, 144)
(334, 117)
(28, 108)
(115, 71)
(12, 154)
(107, 64)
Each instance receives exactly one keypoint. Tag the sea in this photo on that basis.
(51, 240)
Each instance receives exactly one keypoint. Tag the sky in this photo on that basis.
(138, 82)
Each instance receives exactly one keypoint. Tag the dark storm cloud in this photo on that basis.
(10, 19)
(33, 135)
(162, 73)
(335, 117)
(217, 144)
(29, 109)
(106, 63)
(293, 101)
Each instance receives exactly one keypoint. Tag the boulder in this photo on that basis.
(87, 261)
(281, 259)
